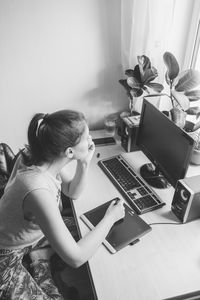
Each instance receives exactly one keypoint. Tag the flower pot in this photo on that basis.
(195, 157)
(178, 116)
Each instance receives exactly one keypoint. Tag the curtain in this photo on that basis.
(145, 28)
(152, 27)
(193, 44)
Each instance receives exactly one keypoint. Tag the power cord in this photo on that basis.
(168, 223)
(172, 223)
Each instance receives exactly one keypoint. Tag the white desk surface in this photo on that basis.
(164, 263)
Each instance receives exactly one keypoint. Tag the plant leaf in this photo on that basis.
(136, 92)
(193, 95)
(144, 62)
(133, 83)
(129, 72)
(129, 95)
(155, 86)
(171, 82)
(171, 64)
(193, 110)
(182, 100)
(174, 81)
(149, 75)
(188, 80)
(145, 89)
(167, 78)
(137, 74)
(124, 83)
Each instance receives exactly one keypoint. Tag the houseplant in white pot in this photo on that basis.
(182, 92)
(139, 81)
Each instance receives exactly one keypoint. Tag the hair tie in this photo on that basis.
(38, 126)
(39, 123)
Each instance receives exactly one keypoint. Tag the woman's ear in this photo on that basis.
(69, 152)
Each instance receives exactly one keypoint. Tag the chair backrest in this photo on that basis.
(6, 165)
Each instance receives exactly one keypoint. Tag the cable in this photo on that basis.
(177, 223)
(165, 224)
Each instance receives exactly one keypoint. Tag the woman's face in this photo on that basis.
(82, 148)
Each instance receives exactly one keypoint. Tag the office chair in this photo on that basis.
(7, 159)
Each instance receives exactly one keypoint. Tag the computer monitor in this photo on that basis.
(167, 146)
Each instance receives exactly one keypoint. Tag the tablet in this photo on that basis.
(124, 232)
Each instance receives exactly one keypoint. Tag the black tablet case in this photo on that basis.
(123, 232)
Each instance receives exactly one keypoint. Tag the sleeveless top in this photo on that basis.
(15, 231)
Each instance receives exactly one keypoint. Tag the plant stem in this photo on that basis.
(171, 97)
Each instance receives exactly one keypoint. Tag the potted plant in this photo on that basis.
(139, 80)
(182, 87)
(195, 156)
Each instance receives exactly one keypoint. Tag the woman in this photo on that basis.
(30, 206)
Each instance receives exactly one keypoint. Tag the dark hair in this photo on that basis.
(51, 134)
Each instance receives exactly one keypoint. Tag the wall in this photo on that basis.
(57, 54)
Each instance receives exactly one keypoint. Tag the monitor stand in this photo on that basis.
(153, 176)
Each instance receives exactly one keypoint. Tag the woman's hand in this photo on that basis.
(73, 188)
(116, 210)
(91, 149)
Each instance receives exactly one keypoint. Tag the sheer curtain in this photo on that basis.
(193, 49)
(145, 25)
(152, 27)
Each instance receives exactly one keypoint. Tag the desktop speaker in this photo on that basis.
(129, 133)
(186, 201)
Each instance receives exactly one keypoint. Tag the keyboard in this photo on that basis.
(133, 188)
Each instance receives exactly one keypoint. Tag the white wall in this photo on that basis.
(57, 54)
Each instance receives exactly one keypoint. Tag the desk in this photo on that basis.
(166, 261)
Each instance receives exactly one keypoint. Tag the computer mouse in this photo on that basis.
(150, 167)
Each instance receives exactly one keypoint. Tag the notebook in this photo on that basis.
(124, 232)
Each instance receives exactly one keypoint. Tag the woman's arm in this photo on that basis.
(47, 215)
(73, 188)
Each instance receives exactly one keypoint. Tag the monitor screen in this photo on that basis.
(167, 146)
